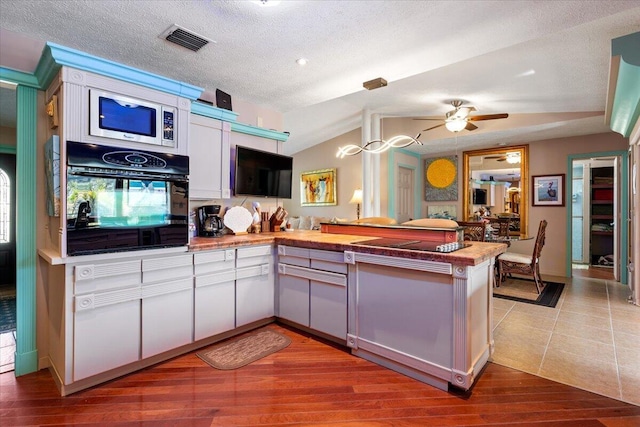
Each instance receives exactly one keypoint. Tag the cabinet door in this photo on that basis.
(106, 331)
(329, 307)
(209, 157)
(293, 297)
(215, 305)
(254, 294)
(167, 316)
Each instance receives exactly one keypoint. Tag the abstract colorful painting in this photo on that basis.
(441, 179)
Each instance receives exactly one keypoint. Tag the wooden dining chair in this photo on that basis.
(512, 262)
(475, 231)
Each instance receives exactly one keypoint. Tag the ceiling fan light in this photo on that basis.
(455, 125)
(513, 158)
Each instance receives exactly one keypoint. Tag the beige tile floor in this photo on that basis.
(590, 340)
(7, 339)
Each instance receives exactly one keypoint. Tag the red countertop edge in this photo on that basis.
(475, 254)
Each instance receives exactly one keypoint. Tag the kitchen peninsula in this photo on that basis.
(424, 314)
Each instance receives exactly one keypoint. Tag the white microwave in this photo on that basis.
(129, 119)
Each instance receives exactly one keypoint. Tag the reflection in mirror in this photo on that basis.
(495, 188)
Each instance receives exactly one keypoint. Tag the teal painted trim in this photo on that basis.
(26, 363)
(627, 47)
(261, 132)
(7, 149)
(26, 352)
(68, 57)
(626, 103)
(624, 209)
(47, 68)
(18, 77)
(213, 112)
(408, 153)
(626, 100)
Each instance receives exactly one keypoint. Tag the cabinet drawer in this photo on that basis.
(311, 274)
(253, 255)
(328, 261)
(106, 277)
(210, 262)
(293, 256)
(167, 268)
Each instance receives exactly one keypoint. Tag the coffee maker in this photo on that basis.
(209, 222)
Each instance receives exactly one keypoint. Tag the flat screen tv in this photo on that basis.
(263, 174)
(479, 196)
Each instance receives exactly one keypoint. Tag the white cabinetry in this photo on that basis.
(167, 303)
(106, 316)
(215, 306)
(254, 284)
(209, 158)
(312, 289)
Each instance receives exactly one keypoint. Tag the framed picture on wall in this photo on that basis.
(547, 190)
(318, 188)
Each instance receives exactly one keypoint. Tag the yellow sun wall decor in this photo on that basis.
(441, 179)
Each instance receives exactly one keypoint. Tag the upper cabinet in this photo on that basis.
(99, 109)
(209, 158)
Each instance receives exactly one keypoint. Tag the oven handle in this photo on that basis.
(128, 174)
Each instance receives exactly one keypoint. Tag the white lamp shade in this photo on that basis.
(357, 197)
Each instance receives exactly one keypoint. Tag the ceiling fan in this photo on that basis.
(508, 157)
(459, 118)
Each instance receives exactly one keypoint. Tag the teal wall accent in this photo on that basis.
(7, 149)
(626, 102)
(623, 227)
(391, 180)
(213, 112)
(18, 77)
(26, 359)
(256, 131)
(54, 56)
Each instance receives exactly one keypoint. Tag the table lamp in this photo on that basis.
(357, 199)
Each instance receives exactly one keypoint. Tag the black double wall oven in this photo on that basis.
(121, 199)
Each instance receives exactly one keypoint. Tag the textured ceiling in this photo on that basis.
(525, 58)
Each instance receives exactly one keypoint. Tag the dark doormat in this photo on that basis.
(244, 349)
(7, 314)
(524, 290)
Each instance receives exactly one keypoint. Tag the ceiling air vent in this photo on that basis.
(185, 38)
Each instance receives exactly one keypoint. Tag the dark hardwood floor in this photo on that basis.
(308, 383)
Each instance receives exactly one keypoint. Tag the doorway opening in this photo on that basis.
(595, 217)
(7, 262)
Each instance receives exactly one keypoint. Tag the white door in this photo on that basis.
(404, 195)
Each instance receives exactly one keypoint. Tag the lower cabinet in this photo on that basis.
(167, 316)
(167, 303)
(254, 284)
(313, 296)
(106, 332)
(214, 299)
(106, 318)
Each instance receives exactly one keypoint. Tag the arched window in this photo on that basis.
(5, 207)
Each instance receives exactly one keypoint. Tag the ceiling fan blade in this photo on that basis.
(470, 126)
(488, 117)
(437, 126)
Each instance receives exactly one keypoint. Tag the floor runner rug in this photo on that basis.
(7, 314)
(244, 349)
(523, 290)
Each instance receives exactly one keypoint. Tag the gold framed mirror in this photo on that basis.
(495, 185)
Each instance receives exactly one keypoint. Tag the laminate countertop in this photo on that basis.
(474, 254)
